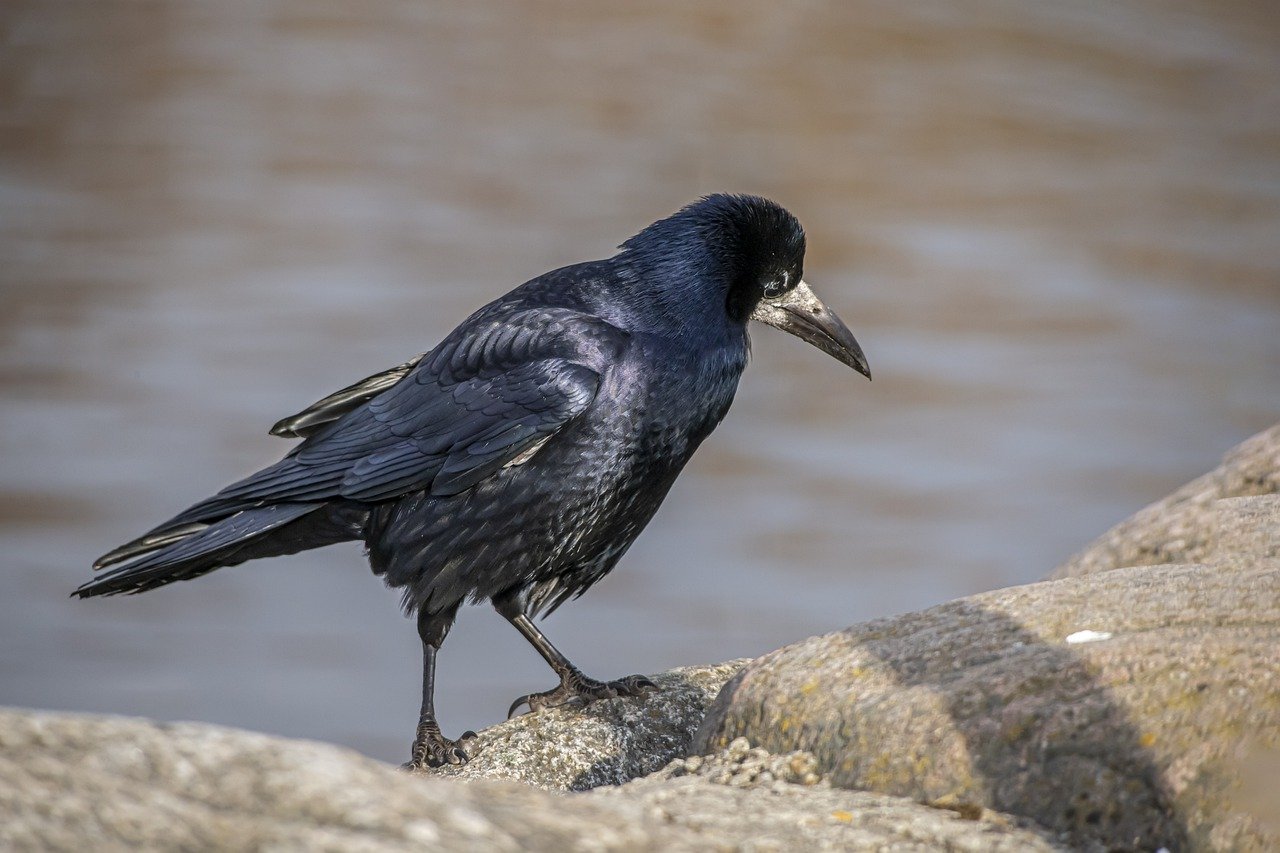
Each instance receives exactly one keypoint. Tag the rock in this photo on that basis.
(1185, 527)
(189, 785)
(606, 743)
(1121, 706)
(75, 782)
(1245, 529)
(746, 798)
(1108, 707)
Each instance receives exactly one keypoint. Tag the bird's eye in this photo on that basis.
(775, 288)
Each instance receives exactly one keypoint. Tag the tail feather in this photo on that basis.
(186, 524)
(174, 554)
(153, 541)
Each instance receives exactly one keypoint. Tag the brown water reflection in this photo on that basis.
(1052, 226)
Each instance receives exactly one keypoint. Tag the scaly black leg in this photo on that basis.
(430, 747)
(575, 688)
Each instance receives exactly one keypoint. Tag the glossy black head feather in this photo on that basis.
(721, 250)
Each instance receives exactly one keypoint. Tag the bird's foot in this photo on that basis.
(577, 690)
(432, 749)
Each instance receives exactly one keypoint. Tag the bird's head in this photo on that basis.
(742, 255)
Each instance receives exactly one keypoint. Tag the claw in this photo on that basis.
(636, 683)
(432, 749)
(523, 700)
(577, 691)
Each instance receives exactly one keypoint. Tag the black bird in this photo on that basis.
(520, 458)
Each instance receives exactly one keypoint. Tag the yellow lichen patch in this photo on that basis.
(809, 686)
(967, 809)
(1014, 731)
(1147, 739)
(880, 772)
(843, 816)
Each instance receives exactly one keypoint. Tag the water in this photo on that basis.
(1053, 227)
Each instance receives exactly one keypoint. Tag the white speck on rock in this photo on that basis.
(1088, 636)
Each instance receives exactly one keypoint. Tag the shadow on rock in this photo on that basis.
(1120, 737)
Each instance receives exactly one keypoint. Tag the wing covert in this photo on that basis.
(338, 403)
(498, 386)
(491, 422)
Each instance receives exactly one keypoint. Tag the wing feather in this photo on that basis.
(338, 403)
(499, 385)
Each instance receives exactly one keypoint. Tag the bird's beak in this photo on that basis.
(802, 313)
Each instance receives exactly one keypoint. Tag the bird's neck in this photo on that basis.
(671, 296)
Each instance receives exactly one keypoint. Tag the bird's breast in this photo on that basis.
(673, 398)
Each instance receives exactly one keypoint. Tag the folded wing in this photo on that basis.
(495, 388)
(338, 403)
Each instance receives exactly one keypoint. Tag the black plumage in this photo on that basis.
(518, 460)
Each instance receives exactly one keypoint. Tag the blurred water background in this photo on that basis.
(1053, 227)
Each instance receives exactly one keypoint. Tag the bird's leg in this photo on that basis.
(430, 747)
(575, 688)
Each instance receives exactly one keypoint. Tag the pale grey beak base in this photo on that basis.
(804, 315)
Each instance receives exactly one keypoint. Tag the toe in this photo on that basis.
(515, 706)
(633, 685)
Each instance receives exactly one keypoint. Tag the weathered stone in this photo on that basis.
(1108, 707)
(746, 798)
(1246, 529)
(76, 782)
(606, 743)
(1184, 527)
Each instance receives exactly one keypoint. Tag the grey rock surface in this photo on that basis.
(1186, 526)
(75, 782)
(1120, 706)
(748, 799)
(1109, 707)
(605, 743)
